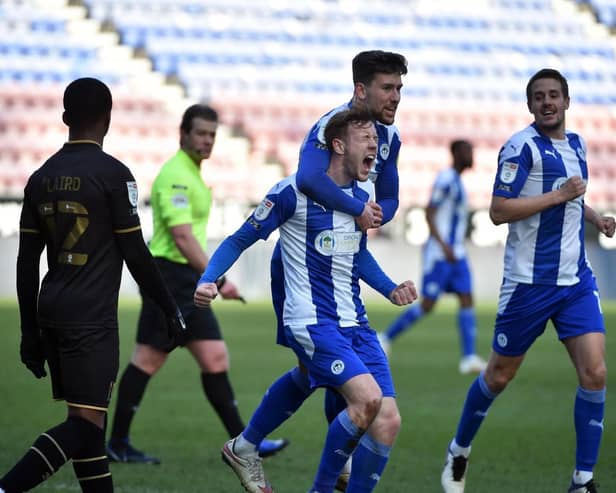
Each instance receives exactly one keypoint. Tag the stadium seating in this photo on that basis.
(276, 67)
(271, 68)
(605, 10)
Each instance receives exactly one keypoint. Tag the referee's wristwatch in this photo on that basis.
(220, 282)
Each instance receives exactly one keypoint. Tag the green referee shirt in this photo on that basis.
(179, 196)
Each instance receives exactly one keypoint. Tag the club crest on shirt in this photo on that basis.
(131, 186)
(384, 150)
(509, 171)
(263, 209)
(325, 242)
(581, 154)
(559, 182)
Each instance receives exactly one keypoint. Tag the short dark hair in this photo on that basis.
(547, 73)
(86, 101)
(197, 111)
(369, 63)
(457, 144)
(338, 124)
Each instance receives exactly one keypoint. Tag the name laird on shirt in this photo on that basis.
(62, 183)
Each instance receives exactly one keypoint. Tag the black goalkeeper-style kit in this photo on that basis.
(82, 206)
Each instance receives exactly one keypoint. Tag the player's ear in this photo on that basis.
(338, 146)
(359, 91)
(107, 122)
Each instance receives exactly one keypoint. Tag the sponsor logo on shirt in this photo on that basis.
(131, 186)
(263, 209)
(503, 188)
(509, 171)
(330, 243)
(547, 152)
(180, 201)
(253, 223)
(337, 367)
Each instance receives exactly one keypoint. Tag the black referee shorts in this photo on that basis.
(83, 364)
(201, 323)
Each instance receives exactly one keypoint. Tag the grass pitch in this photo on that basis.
(526, 443)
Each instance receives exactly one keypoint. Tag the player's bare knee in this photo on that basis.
(498, 378)
(364, 412)
(394, 422)
(389, 424)
(148, 359)
(593, 377)
(94, 416)
(215, 362)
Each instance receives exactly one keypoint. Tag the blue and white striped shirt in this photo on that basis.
(450, 201)
(547, 247)
(323, 253)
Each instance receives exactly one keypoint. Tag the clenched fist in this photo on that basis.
(205, 293)
(403, 294)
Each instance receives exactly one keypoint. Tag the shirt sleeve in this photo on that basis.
(371, 273)
(440, 189)
(31, 246)
(276, 208)
(228, 252)
(515, 161)
(387, 186)
(312, 178)
(124, 200)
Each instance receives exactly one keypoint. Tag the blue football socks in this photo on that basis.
(478, 400)
(342, 438)
(467, 327)
(369, 461)
(282, 399)
(404, 321)
(588, 415)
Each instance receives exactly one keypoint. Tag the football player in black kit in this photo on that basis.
(82, 206)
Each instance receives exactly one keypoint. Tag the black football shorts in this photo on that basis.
(83, 364)
(201, 323)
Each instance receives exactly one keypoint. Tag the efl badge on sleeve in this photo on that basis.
(509, 171)
(132, 192)
(263, 209)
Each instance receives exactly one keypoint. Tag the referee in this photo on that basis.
(81, 205)
(181, 203)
